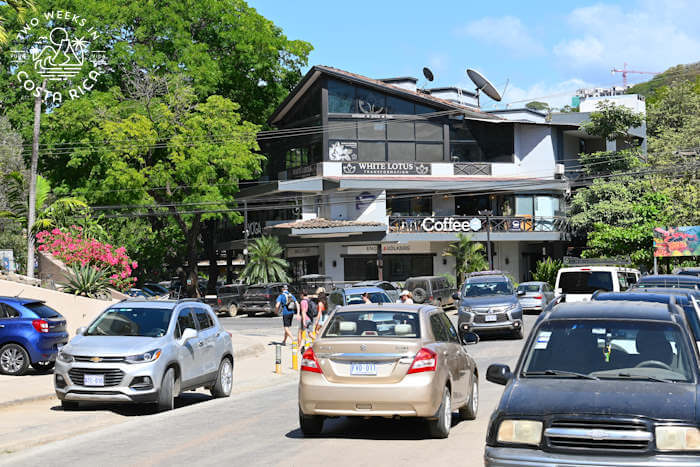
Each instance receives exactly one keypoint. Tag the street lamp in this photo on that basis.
(488, 213)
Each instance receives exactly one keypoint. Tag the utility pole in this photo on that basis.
(246, 233)
(31, 213)
(488, 213)
(380, 263)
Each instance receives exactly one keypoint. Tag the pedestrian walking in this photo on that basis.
(286, 305)
(405, 298)
(306, 315)
(322, 308)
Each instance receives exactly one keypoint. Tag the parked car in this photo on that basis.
(261, 298)
(433, 290)
(353, 296)
(146, 352)
(534, 296)
(579, 283)
(391, 290)
(676, 281)
(229, 298)
(388, 361)
(155, 289)
(489, 303)
(604, 383)
(31, 333)
(134, 292)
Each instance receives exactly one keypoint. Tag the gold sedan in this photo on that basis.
(391, 361)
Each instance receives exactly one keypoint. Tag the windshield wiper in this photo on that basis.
(559, 373)
(646, 377)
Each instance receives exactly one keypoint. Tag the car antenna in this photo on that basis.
(19, 293)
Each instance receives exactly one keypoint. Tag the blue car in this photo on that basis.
(31, 333)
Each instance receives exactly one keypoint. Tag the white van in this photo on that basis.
(578, 284)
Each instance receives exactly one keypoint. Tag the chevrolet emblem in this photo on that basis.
(96, 359)
(363, 347)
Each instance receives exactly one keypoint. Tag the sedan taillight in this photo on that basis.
(426, 360)
(309, 362)
(40, 325)
(538, 297)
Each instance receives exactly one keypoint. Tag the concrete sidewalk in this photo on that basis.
(37, 386)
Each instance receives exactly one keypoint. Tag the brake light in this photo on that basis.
(426, 360)
(537, 297)
(432, 298)
(40, 325)
(218, 301)
(309, 362)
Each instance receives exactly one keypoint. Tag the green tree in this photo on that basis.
(611, 121)
(265, 262)
(537, 105)
(469, 256)
(16, 8)
(546, 271)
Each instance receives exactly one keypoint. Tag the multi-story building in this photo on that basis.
(371, 178)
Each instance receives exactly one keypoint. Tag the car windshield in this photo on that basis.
(609, 349)
(42, 311)
(484, 289)
(585, 282)
(373, 323)
(374, 297)
(126, 321)
(528, 288)
(656, 282)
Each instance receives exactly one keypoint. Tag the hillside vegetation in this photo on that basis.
(689, 72)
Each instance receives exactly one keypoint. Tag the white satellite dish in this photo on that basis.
(483, 84)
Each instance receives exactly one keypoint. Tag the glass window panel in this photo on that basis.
(524, 206)
(495, 140)
(459, 132)
(341, 97)
(402, 152)
(371, 130)
(370, 102)
(421, 109)
(368, 151)
(428, 131)
(400, 131)
(465, 152)
(394, 105)
(429, 152)
(342, 129)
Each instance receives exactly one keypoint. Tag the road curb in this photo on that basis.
(25, 400)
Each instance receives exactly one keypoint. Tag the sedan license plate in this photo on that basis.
(491, 318)
(94, 380)
(363, 369)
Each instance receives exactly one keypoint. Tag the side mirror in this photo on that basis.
(455, 296)
(499, 374)
(188, 334)
(470, 338)
(520, 292)
(80, 331)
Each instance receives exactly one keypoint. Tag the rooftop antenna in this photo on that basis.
(482, 84)
(428, 76)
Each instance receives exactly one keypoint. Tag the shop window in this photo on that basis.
(402, 131)
(402, 151)
(524, 206)
(496, 141)
(471, 205)
(370, 102)
(369, 151)
(394, 105)
(341, 97)
(465, 152)
(371, 130)
(427, 152)
(342, 129)
(413, 206)
(428, 131)
(360, 268)
(401, 267)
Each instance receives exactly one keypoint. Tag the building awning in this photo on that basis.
(324, 228)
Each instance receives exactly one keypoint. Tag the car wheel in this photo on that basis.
(440, 427)
(69, 406)
(468, 412)
(224, 380)
(43, 367)
(251, 314)
(166, 397)
(518, 333)
(232, 310)
(311, 425)
(14, 360)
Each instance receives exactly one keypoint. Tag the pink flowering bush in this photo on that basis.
(73, 248)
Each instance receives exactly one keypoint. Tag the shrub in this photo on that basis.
(546, 271)
(87, 281)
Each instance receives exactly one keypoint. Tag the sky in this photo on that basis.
(530, 50)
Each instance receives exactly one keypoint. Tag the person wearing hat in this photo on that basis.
(287, 305)
(405, 298)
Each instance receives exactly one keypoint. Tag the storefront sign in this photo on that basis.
(301, 252)
(391, 248)
(450, 224)
(342, 151)
(386, 168)
(677, 241)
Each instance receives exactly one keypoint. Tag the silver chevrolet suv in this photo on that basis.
(146, 351)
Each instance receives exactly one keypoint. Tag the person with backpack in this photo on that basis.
(286, 305)
(306, 314)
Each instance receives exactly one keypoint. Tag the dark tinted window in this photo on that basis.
(399, 106)
(203, 318)
(438, 328)
(585, 282)
(6, 311)
(451, 331)
(529, 288)
(336, 299)
(128, 321)
(341, 97)
(42, 311)
(184, 320)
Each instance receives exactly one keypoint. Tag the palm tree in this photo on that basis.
(265, 262)
(469, 256)
(19, 7)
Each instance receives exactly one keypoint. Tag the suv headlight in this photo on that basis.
(65, 357)
(150, 356)
(520, 432)
(677, 438)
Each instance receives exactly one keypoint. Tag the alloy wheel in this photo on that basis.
(11, 360)
(226, 376)
(475, 396)
(447, 419)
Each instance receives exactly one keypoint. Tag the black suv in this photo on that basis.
(600, 383)
(229, 298)
(261, 298)
(433, 290)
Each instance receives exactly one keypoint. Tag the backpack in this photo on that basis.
(291, 304)
(313, 309)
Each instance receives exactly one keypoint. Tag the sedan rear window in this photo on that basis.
(145, 322)
(42, 310)
(373, 323)
(374, 297)
(529, 288)
(585, 282)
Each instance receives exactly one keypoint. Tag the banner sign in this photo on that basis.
(677, 241)
(386, 168)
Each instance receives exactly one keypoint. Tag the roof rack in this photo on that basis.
(617, 261)
(183, 300)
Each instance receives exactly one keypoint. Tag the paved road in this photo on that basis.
(261, 428)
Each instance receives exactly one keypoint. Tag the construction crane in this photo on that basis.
(624, 72)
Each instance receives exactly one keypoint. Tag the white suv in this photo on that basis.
(578, 284)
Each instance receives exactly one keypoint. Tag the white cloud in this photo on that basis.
(507, 32)
(650, 36)
(556, 95)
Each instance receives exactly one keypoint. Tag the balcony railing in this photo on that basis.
(444, 224)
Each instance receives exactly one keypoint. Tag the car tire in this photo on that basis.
(224, 379)
(232, 310)
(166, 396)
(470, 409)
(43, 367)
(251, 314)
(518, 333)
(14, 360)
(440, 427)
(69, 406)
(311, 425)
(419, 295)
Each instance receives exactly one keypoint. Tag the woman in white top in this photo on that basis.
(405, 298)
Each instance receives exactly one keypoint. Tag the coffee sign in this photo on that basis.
(386, 168)
(450, 224)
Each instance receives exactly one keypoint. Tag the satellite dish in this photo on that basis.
(482, 84)
(428, 74)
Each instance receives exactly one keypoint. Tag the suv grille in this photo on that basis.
(112, 376)
(481, 318)
(79, 358)
(614, 435)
